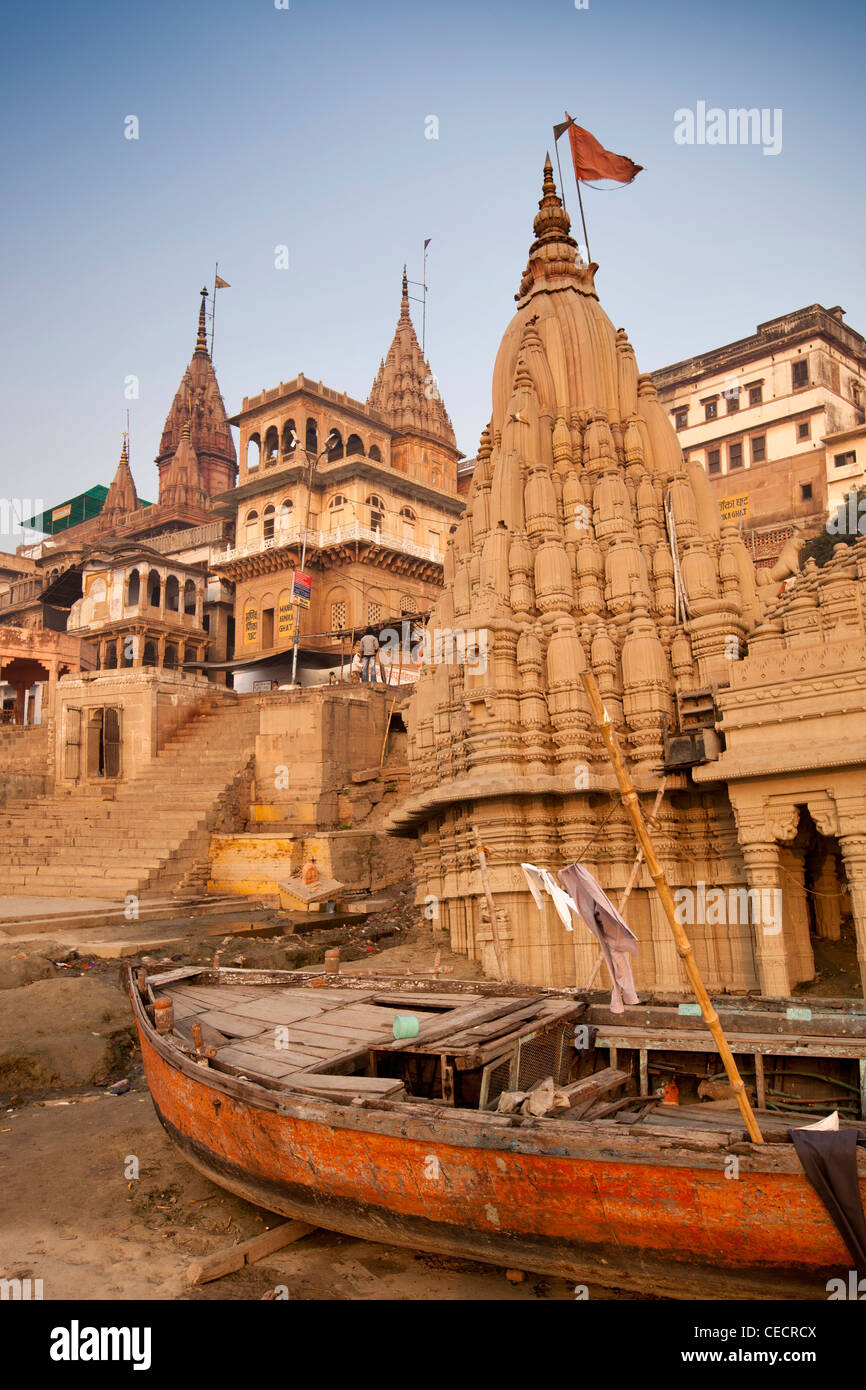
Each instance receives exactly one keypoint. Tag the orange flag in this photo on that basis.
(593, 161)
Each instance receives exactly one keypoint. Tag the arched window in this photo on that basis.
(335, 446)
(172, 594)
(271, 445)
(407, 518)
(268, 525)
(254, 452)
(284, 515)
(338, 614)
(133, 589)
(149, 654)
(377, 511)
(337, 501)
(289, 437)
(154, 587)
(354, 445)
(251, 527)
(189, 598)
(312, 437)
(374, 453)
(408, 604)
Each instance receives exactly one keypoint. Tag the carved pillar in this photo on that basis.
(796, 914)
(763, 872)
(854, 858)
(828, 898)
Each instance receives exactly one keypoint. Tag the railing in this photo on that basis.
(321, 540)
(187, 540)
(21, 592)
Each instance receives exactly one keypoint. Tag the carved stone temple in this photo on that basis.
(587, 540)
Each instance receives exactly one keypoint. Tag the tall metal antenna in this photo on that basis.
(424, 301)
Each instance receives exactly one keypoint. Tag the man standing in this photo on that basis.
(369, 653)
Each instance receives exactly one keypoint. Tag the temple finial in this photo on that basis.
(404, 302)
(548, 186)
(201, 340)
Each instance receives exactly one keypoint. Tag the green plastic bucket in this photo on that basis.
(406, 1026)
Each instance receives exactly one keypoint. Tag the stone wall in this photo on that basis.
(26, 761)
(153, 705)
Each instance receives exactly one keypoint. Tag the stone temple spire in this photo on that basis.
(198, 401)
(180, 483)
(405, 390)
(587, 541)
(121, 494)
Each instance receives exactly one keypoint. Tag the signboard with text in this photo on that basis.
(301, 588)
(285, 617)
(734, 508)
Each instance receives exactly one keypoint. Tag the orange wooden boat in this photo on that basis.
(290, 1090)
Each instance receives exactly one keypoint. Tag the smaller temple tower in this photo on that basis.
(406, 393)
(198, 404)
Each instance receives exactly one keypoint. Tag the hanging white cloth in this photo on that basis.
(542, 881)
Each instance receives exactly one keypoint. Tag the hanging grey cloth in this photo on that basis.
(615, 937)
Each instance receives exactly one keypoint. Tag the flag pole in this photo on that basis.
(213, 306)
(558, 131)
(684, 950)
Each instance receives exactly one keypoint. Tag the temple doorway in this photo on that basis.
(103, 742)
(827, 904)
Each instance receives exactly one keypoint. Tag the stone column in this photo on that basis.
(763, 873)
(854, 858)
(796, 913)
(828, 898)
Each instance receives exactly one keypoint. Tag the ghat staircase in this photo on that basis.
(153, 836)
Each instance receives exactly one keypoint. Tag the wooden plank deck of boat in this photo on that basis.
(290, 1037)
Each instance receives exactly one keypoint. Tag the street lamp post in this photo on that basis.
(313, 459)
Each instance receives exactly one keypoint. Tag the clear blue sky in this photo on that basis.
(306, 127)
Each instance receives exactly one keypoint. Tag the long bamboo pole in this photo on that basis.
(684, 949)
(635, 870)
(491, 905)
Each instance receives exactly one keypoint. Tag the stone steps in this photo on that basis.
(154, 832)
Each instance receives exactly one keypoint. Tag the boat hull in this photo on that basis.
(593, 1209)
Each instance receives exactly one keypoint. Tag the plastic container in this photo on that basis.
(406, 1026)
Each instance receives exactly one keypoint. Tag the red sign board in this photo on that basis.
(301, 588)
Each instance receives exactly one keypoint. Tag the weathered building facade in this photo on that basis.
(777, 421)
(588, 541)
(371, 486)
